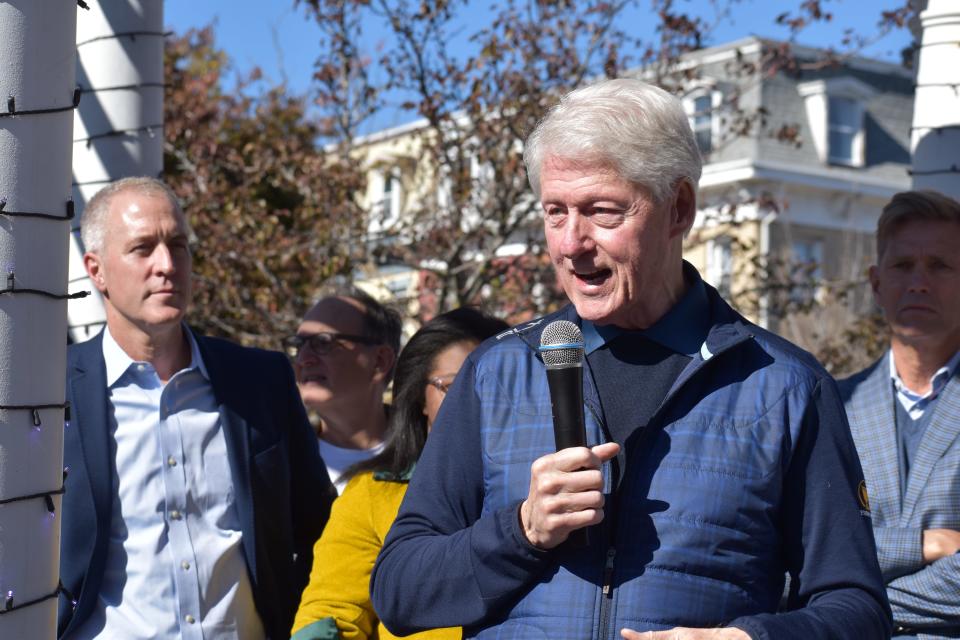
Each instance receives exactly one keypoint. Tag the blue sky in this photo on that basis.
(280, 40)
(270, 34)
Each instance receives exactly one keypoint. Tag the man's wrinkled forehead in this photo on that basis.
(593, 161)
(591, 165)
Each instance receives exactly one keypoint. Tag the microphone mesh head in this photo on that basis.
(561, 332)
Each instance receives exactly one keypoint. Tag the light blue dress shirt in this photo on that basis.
(915, 403)
(175, 567)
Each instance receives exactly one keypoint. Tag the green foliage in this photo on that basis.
(472, 197)
(268, 210)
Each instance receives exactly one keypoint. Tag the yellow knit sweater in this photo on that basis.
(339, 588)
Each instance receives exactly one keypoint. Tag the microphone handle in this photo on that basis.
(569, 430)
(566, 400)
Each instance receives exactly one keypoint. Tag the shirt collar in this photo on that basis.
(682, 329)
(937, 381)
(117, 361)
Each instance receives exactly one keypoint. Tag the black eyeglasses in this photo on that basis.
(322, 343)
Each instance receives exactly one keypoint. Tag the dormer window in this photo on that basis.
(835, 111)
(844, 125)
(701, 105)
(703, 123)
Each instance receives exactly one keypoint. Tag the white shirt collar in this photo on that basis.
(937, 381)
(117, 361)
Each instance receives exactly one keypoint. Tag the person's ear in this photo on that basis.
(94, 268)
(383, 364)
(683, 209)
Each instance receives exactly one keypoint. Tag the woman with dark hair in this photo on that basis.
(336, 602)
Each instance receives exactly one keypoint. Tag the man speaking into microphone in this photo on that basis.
(718, 457)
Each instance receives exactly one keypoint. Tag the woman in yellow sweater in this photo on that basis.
(336, 603)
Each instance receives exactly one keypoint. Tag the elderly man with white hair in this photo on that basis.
(719, 458)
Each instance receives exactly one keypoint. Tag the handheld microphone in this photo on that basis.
(561, 347)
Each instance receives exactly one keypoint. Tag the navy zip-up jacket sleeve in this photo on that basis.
(443, 563)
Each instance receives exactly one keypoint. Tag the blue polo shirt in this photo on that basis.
(634, 370)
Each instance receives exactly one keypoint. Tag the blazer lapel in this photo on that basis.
(88, 391)
(872, 423)
(238, 449)
(941, 432)
(237, 436)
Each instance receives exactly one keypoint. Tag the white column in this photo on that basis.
(36, 74)
(118, 130)
(935, 139)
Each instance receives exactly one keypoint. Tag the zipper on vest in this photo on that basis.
(608, 530)
(608, 571)
(610, 522)
(606, 597)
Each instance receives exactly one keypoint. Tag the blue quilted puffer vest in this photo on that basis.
(691, 523)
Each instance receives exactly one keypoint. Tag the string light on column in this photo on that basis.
(150, 130)
(12, 107)
(34, 409)
(9, 604)
(127, 34)
(12, 289)
(29, 121)
(70, 209)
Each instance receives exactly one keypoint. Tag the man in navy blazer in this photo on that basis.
(904, 413)
(195, 490)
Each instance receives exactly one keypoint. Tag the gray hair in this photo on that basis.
(639, 129)
(93, 223)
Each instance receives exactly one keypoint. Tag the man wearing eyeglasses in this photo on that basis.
(344, 351)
